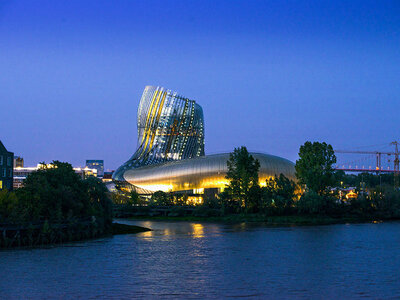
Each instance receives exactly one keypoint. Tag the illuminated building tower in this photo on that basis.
(170, 127)
(170, 153)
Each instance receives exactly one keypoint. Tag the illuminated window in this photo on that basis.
(198, 191)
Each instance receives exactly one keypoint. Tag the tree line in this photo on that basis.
(55, 198)
(316, 189)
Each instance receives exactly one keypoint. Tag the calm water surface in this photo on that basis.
(206, 260)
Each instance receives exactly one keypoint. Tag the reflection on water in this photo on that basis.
(146, 234)
(205, 260)
(195, 230)
(198, 230)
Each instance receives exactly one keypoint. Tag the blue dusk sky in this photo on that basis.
(269, 74)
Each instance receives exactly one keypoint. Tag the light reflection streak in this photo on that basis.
(197, 230)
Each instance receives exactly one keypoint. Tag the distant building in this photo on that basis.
(96, 164)
(86, 172)
(20, 174)
(6, 168)
(18, 162)
(107, 176)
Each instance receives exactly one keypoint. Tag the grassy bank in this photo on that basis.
(270, 220)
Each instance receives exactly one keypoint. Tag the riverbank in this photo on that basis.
(13, 236)
(269, 220)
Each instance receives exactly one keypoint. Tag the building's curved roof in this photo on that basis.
(200, 172)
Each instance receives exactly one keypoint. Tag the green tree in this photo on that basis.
(8, 206)
(57, 194)
(161, 198)
(180, 199)
(100, 203)
(118, 198)
(54, 193)
(228, 203)
(134, 198)
(314, 167)
(311, 203)
(243, 188)
(278, 193)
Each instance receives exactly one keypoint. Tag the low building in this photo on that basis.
(6, 168)
(85, 172)
(96, 164)
(107, 176)
(20, 174)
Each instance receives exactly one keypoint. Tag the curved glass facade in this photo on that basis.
(207, 172)
(170, 153)
(170, 127)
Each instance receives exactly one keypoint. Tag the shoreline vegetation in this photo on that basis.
(267, 220)
(282, 220)
(319, 195)
(57, 206)
(28, 236)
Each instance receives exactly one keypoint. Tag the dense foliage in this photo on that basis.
(317, 191)
(377, 197)
(314, 166)
(363, 180)
(161, 198)
(243, 194)
(243, 189)
(56, 194)
(278, 194)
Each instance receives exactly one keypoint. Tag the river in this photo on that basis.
(208, 261)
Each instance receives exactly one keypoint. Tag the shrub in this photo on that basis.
(204, 211)
(310, 203)
(177, 212)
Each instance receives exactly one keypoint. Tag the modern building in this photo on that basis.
(96, 164)
(6, 168)
(107, 176)
(18, 162)
(170, 154)
(20, 174)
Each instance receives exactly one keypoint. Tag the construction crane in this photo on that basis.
(377, 153)
(379, 159)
